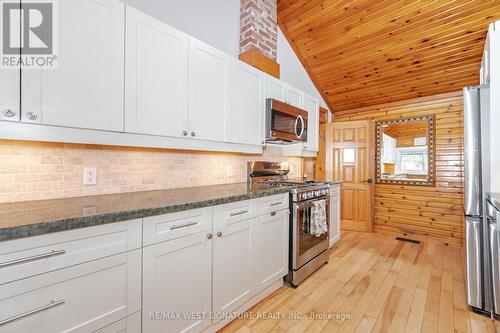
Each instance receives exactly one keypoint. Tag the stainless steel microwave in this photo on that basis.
(285, 123)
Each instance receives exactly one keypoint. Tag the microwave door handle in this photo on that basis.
(299, 117)
(295, 127)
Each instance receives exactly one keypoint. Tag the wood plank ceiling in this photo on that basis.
(368, 52)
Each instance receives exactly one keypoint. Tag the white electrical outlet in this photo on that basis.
(89, 176)
(229, 172)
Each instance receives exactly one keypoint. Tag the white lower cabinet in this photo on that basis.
(334, 214)
(271, 248)
(177, 285)
(81, 298)
(232, 265)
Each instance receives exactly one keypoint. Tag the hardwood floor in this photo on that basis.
(379, 285)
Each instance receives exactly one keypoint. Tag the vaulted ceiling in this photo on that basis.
(368, 52)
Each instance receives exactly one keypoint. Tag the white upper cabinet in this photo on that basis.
(294, 96)
(86, 89)
(275, 88)
(9, 94)
(311, 105)
(245, 118)
(156, 77)
(209, 75)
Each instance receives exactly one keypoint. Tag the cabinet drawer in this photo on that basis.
(170, 226)
(267, 205)
(23, 258)
(81, 298)
(131, 324)
(233, 212)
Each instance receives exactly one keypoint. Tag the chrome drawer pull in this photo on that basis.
(32, 258)
(29, 313)
(239, 213)
(275, 204)
(188, 224)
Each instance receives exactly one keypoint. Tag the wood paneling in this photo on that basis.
(363, 53)
(422, 211)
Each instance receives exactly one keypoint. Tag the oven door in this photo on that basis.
(305, 245)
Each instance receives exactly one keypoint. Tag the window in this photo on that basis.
(412, 160)
(348, 155)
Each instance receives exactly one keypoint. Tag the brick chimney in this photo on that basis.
(259, 34)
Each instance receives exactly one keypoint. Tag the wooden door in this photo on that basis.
(86, 89)
(352, 160)
(209, 76)
(177, 279)
(156, 77)
(245, 119)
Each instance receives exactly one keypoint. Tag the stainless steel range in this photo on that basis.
(308, 251)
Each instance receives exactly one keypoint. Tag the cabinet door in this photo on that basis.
(156, 75)
(275, 88)
(311, 105)
(86, 89)
(209, 75)
(271, 248)
(334, 219)
(80, 298)
(294, 96)
(232, 265)
(245, 117)
(177, 280)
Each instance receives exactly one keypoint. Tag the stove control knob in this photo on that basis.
(317, 193)
(310, 195)
(323, 192)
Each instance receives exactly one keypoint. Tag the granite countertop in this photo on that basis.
(494, 198)
(31, 218)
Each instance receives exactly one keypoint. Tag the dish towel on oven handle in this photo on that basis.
(319, 224)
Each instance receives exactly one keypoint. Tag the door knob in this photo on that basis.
(219, 234)
(193, 134)
(184, 133)
(209, 236)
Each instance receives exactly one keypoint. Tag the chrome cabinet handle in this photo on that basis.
(209, 236)
(275, 204)
(193, 133)
(29, 313)
(219, 234)
(239, 213)
(31, 116)
(184, 133)
(8, 113)
(32, 258)
(184, 225)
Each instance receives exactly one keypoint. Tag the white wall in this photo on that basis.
(217, 22)
(494, 35)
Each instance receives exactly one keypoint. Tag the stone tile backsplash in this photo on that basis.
(37, 171)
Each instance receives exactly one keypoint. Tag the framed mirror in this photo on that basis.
(405, 151)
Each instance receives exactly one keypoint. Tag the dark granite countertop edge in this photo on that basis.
(42, 228)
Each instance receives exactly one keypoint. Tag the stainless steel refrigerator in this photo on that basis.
(477, 183)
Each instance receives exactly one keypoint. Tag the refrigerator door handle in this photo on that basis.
(495, 264)
(474, 271)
